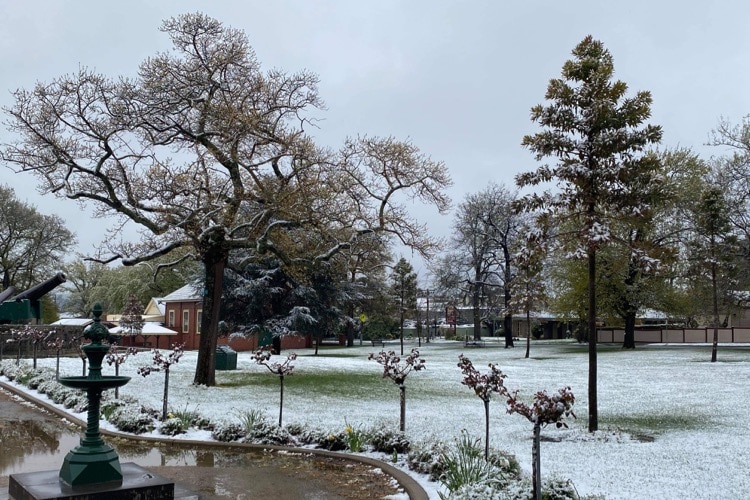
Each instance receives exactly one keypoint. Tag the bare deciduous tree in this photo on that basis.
(208, 154)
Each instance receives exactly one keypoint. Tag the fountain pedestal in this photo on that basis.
(92, 470)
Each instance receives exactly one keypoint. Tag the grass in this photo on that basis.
(330, 383)
(656, 423)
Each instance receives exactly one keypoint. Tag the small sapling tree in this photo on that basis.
(30, 335)
(262, 357)
(18, 337)
(162, 363)
(484, 385)
(545, 410)
(397, 371)
(81, 355)
(35, 338)
(57, 345)
(117, 356)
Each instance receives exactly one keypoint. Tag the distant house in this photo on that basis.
(155, 310)
(183, 312)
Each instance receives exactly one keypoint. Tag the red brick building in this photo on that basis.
(183, 312)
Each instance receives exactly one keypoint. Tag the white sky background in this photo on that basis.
(457, 78)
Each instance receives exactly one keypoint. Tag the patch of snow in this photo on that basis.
(673, 425)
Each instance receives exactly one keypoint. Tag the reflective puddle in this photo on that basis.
(33, 441)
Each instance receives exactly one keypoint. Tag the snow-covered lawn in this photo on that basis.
(673, 425)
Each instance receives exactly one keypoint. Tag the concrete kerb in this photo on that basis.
(410, 486)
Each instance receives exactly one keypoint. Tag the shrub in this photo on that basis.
(506, 462)
(227, 432)
(466, 465)
(250, 418)
(191, 418)
(40, 377)
(333, 441)
(132, 418)
(387, 441)
(108, 408)
(425, 459)
(258, 428)
(173, 426)
(552, 489)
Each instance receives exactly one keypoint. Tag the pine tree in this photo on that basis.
(131, 320)
(594, 134)
(404, 289)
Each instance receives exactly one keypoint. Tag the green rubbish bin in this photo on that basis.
(226, 358)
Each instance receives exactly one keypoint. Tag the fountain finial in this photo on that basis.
(97, 332)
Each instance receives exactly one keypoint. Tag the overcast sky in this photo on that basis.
(456, 78)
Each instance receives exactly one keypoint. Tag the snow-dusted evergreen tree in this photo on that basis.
(596, 139)
(713, 253)
(404, 289)
(131, 320)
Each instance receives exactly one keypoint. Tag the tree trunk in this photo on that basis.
(528, 333)
(508, 318)
(630, 306)
(117, 373)
(402, 394)
(166, 395)
(214, 262)
(629, 338)
(350, 334)
(475, 310)
(593, 405)
(486, 429)
(508, 330)
(715, 300)
(401, 328)
(281, 398)
(536, 464)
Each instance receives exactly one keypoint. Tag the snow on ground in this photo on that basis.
(673, 425)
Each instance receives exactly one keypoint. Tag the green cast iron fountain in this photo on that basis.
(93, 461)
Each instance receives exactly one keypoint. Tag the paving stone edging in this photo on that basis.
(410, 486)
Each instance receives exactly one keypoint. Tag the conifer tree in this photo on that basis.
(404, 289)
(595, 139)
(131, 320)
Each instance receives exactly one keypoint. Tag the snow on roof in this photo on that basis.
(73, 322)
(149, 328)
(186, 293)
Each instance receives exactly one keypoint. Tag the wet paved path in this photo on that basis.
(34, 440)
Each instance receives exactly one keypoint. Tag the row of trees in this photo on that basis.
(623, 224)
(212, 158)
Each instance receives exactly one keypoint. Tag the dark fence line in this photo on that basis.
(676, 335)
(9, 346)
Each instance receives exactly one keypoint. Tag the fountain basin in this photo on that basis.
(86, 383)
